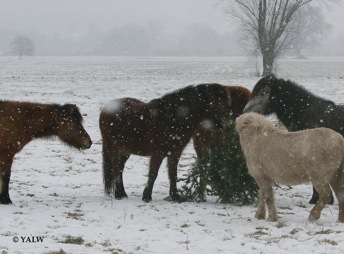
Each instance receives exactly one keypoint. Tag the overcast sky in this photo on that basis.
(78, 15)
(69, 15)
(67, 18)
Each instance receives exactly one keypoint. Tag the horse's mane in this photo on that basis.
(72, 109)
(195, 97)
(39, 107)
(293, 89)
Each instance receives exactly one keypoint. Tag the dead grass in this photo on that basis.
(56, 252)
(328, 241)
(73, 240)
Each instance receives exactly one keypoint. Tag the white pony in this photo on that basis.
(292, 158)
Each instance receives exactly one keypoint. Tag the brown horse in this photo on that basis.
(202, 136)
(160, 128)
(21, 122)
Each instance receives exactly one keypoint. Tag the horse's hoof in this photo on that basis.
(260, 216)
(313, 218)
(272, 219)
(147, 196)
(175, 197)
(146, 200)
(5, 201)
(120, 195)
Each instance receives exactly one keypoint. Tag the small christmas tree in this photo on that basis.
(226, 170)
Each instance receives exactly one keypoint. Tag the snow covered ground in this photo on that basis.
(57, 193)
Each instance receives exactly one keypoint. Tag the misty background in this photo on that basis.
(138, 28)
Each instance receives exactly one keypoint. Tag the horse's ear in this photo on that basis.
(271, 76)
(69, 108)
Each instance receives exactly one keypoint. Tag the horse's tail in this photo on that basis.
(108, 176)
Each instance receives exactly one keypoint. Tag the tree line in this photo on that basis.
(134, 40)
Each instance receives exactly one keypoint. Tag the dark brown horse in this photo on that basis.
(202, 136)
(160, 128)
(21, 122)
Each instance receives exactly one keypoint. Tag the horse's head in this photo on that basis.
(217, 102)
(245, 122)
(252, 124)
(70, 129)
(261, 96)
(240, 96)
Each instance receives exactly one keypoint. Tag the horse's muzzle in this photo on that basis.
(86, 145)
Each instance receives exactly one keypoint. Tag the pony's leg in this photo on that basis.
(337, 184)
(172, 161)
(5, 175)
(324, 192)
(266, 196)
(315, 198)
(118, 176)
(261, 212)
(154, 166)
(270, 202)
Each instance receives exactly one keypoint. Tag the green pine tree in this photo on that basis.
(226, 171)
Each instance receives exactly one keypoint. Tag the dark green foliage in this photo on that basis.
(226, 171)
(191, 188)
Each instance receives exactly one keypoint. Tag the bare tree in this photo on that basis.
(22, 45)
(267, 26)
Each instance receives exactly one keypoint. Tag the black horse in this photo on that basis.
(297, 108)
(159, 128)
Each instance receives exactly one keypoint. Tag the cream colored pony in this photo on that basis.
(292, 158)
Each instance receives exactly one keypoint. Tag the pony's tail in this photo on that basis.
(108, 176)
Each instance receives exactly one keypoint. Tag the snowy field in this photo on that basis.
(57, 193)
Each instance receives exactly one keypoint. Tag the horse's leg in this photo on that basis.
(324, 192)
(197, 142)
(5, 175)
(202, 178)
(202, 173)
(154, 166)
(261, 212)
(270, 202)
(118, 175)
(315, 198)
(266, 196)
(337, 184)
(173, 160)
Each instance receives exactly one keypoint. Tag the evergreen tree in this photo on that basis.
(226, 171)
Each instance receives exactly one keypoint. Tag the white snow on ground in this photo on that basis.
(57, 192)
